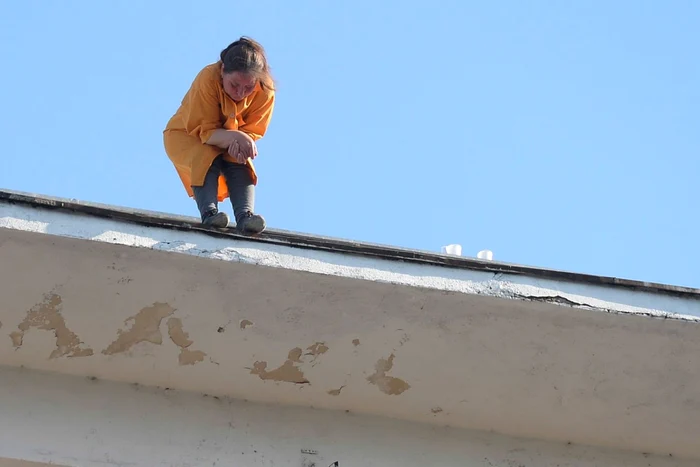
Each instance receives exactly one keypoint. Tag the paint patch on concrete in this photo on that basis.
(145, 327)
(295, 355)
(387, 384)
(182, 339)
(177, 333)
(16, 339)
(46, 316)
(317, 349)
(190, 357)
(289, 372)
(335, 392)
(245, 324)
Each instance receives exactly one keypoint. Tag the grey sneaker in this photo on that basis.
(217, 219)
(251, 223)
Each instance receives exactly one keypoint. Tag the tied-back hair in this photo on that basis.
(248, 56)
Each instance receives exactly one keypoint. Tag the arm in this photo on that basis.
(221, 138)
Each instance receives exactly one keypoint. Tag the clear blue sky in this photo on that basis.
(557, 134)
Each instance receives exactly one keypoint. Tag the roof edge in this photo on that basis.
(315, 242)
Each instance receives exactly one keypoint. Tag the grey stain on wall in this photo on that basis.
(46, 316)
(145, 327)
(387, 384)
(335, 392)
(182, 339)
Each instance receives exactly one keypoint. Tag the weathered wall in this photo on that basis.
(476, 282)
(470, 349)
(91, 423)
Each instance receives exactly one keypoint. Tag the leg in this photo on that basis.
(242, 194)
(206, 197)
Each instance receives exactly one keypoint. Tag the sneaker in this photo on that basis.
(217, 219)
(251, 223)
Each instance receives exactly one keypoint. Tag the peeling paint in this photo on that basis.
(245, 323)
(190, 357)
(182, 339)
(16, 339)
(47, 317)
(145, 328)
(177, 333)
(336, 392)
(387, 384)
(287, 373)
(356, 342)
(319, 348)
(295, 355)
(436, 410)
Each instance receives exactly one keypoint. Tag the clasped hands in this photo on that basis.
(241, 147)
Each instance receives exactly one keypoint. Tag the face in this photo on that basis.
(238, 85)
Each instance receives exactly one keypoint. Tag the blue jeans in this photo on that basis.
(240, 188)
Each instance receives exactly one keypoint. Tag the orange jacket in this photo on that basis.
(205, 108)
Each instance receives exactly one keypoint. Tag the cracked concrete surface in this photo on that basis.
(522, 356)
(603, 298)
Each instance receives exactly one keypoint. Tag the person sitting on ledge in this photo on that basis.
(211, 137)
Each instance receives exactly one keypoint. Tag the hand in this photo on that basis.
(235, 152)
(242, 147)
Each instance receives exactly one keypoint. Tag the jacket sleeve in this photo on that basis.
(201, 109)
(258, 115)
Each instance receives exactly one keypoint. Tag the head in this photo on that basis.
(243, 66)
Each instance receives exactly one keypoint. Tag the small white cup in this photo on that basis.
(485, 254)
(452, 249)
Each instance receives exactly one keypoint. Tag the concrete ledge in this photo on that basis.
(429, 339)
(346, 259)
(297, 240)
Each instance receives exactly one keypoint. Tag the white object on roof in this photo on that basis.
(485, 254)
(452, 249)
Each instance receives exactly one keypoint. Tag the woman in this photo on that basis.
(211, 138)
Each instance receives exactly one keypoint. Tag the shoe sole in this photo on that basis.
(220, 221)
(254, 225)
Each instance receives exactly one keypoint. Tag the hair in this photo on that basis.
(248, 56)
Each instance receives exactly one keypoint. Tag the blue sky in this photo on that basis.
(557, 134)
